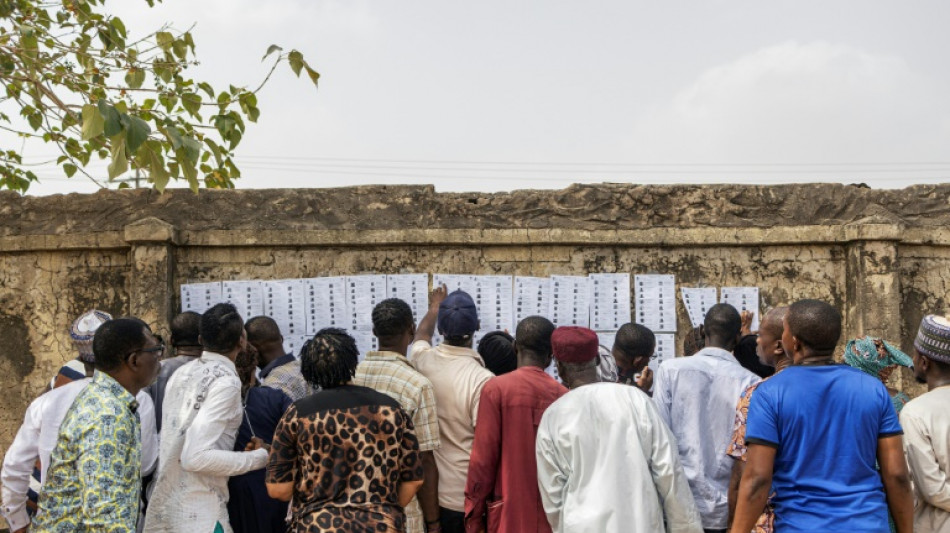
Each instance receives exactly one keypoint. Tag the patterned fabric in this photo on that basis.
(94, 482)
(368, 448)
(391, 374)
(933, 338)
(284, 375)
(737, 450)
(875, 357)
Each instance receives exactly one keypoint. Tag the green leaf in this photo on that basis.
(270, 50)
(174, 135)
(137, 133)
(35, 120)
(135, 78)
(69, 169)
(314, 75)
(192, 148)
(118, 25)
(295, 59)
(120, 162)
(92, 122)
(164, 39)
(156, 165)
(113, 121)
(191, 102)
(206, 87)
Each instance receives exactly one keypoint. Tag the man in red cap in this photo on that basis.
(606, 461)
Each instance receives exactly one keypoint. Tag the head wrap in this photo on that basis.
(498, 351)
(933, 338)
(84, 329)
(874, 356)
(574, 344)
(457, 315)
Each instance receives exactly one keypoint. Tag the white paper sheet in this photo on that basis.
(610, 301)
(412, 289)
(362, 295)
(655, 296)
(365, 341)
(247, 297)
(697, 301)
(199, 297)
(570, 301)
(494, 300)
(293, 344)
(665, 349)
(325, 301)
(284, 302)
(606, 339)
(743, 299)
(532, 297)
(454, 282)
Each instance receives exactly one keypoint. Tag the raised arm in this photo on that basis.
(427, 325)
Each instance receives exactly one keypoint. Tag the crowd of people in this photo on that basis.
(747, 432)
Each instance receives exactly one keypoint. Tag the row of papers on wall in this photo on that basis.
(301, 307)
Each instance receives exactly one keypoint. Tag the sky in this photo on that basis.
(496, 96)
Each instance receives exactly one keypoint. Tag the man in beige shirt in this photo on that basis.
(457, 374)
(926, 424)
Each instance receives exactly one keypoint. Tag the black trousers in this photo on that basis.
(451, 521)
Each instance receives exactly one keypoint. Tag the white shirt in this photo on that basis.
(697, 398)
(926, 423)
(200, 419)
(607, 463)
(37, 437)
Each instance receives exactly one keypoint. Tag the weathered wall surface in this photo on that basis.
(881, 256)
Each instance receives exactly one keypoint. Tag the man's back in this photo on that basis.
(696, 397)
(607, 463)
(825, 422)
(926, 422)
(157, 390)
(503, 466)
(284, 375)
(457, 376)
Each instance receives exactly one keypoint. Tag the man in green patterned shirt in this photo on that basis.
(93, 482)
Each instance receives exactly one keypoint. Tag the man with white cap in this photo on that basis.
(926, 423)
(21, 478)
(457, 374)
(606, 461)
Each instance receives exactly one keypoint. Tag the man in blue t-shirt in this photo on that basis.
(820, 427)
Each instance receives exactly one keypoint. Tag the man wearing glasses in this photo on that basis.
(94, 478)
(633, 350)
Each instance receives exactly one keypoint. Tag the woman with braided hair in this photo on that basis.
(347, 455)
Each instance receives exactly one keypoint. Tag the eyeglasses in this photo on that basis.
(160, 350)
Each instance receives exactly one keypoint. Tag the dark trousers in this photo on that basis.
(451, 521)
(715, 530)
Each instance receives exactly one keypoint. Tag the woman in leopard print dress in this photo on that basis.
(347, 454)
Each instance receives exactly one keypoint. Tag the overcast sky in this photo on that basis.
(501, 95)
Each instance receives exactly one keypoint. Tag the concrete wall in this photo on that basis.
(881, 256)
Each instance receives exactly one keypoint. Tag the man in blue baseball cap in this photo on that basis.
(457, 374)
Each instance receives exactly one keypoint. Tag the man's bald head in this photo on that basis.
(816, 325)
(773, 322)
(264, 334)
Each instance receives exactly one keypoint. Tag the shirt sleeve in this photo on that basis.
(662, 396)
(552, 479)
(890, 424)
(762, 422)
(410, 468)
(200, 452)
(670, 481)
(18, 466)
(426, 420)
(282, 461)
(929, 478)
(486, 453)
(106, 506)
(149, 433)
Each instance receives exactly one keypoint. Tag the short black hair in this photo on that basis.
(185, 329)
(635, 340)
(392, 317)
(533, 335)
(722, 322)
(329, 359)
(816, 324)
(498, 351)
(221, 328)
(115, 340)
(262, 329)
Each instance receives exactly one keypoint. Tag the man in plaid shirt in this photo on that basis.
(388, 371)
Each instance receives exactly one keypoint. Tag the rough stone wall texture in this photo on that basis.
(881, 256)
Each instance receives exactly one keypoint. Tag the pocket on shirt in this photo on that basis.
(494, 515)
